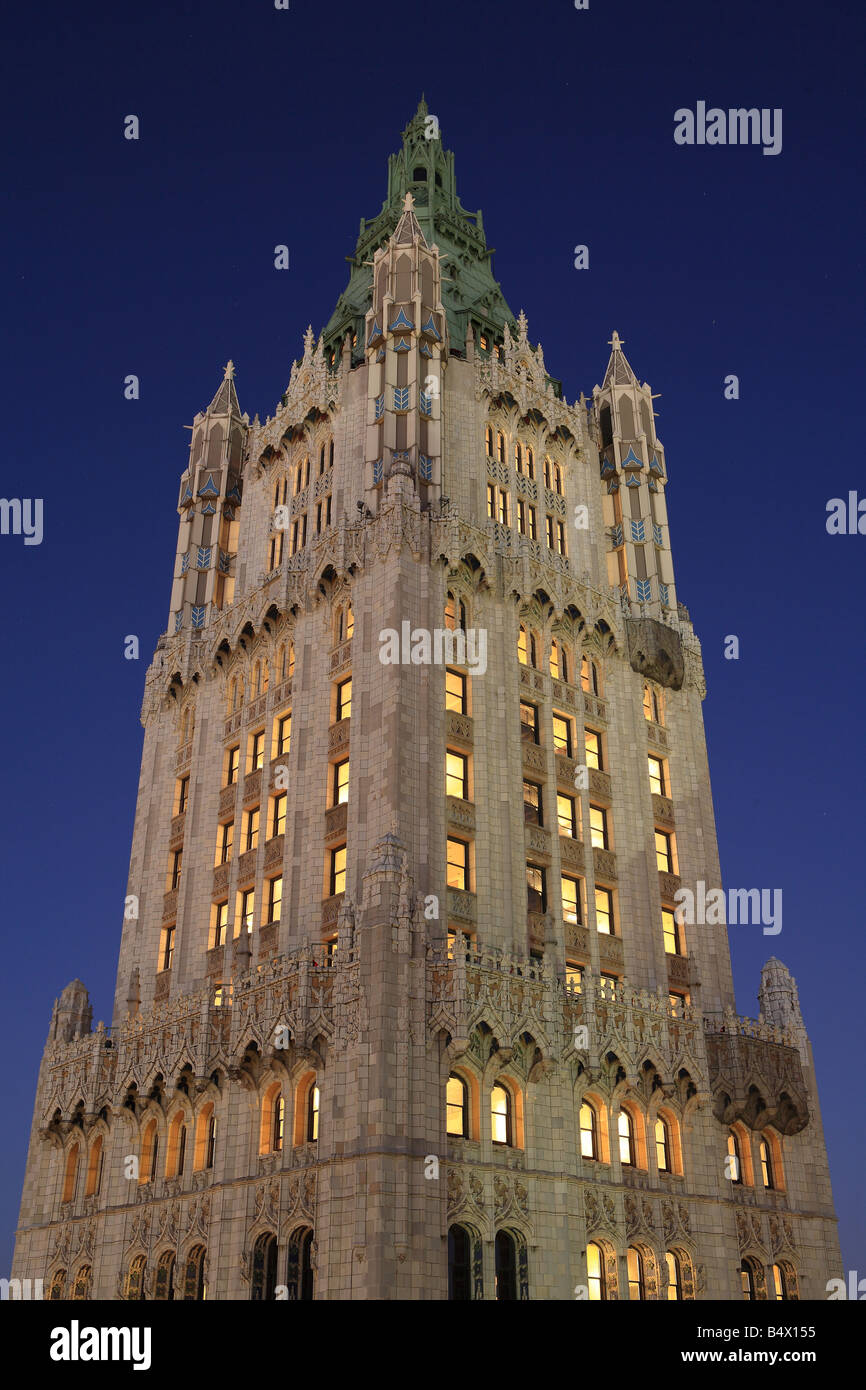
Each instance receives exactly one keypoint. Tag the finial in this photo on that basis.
(615, 341)
(408, 203)
(229, 371)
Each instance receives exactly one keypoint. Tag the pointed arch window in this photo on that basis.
(95, 1162)
(589, 676)
(766, 1159)
(164, 1285)
(555, 669)
(457, 1106)
(522, 646)
(596, 1277)
(625, 1133)
(81, 1284)
(194, 1287)
(530, 464)
(313, 1115)
(501, 1117)
(674, 1276)
(588, 1131)
(500, 446)
(651, 708)
(263, 1283)
(57, 1287)
(506, 1266)
(636, 1284)
(278, 1124)
(735, 1164)
(488, 441)
(459, 1264)
(70, 1176)
(748, 1281)
(135, 1278)
(455, 613)
(663, 1145)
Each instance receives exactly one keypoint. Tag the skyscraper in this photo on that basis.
(409, 1002)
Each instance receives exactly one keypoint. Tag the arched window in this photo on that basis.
(272, 1127)
(748, 1280)
(778, 1284)
(589, 676)
(455, 613)
(533, 649)
(734, 1165)
(625, 1131)
(564, 662)
(588, 1132)
(522, 646)
(194, 1287)
(554, 660)
(767, 1176)
(57, 1287)
(557, 479)
(459, 1264)
(663, 1145)
(299, 1266)
(164, 1285)
(506, 1266)
(70, 1176)
(595, 1273)
(205, 1138)
(135, 1278)
(634, 1261)
(176, 1151)
(651, 705)
(518, 457)
(674, 1279)
(263, 1284)
(94, 1167)
(530, 463)
(149, 1153)
(501, 1115)
(457, 1106)
(278, 1124)
(488, 441)
(500, 446)
(81, 1284)
(313, 1115)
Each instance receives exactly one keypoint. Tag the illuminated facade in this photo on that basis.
(403, 1006)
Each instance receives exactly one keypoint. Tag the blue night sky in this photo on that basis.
(261, 127)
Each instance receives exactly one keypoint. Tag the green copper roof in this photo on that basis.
(469, 290)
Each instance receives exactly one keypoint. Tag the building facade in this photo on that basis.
(405, 1008)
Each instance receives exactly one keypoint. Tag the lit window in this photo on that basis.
(220, 923)
(257, 750)
(658, 782)
(562, 741)
(598, 827)
(503, 507)
(566, 814)
(673, 1265)
(456, 1107)
(225, 841)
(232, 762)
(283, 740)
(521, 516)
(574, 977)
(570, 899)
(735, 1165)
(278, 814)
(664, 851)
(593, 749)
(625, 1132)
(595, 1273)
(457, 775)
(344, 700)
(275, 898)
(522, 647)
(604, 911)
(455, 691)
(766, 1164)
(500, 1115)
(663, 1154)
(313, 1115)
(251, 828)
(554, 658)
(672, 932)
(488, 433)
(458, 864)
(779, 1290)
(491, 501)
(651, 705)
(174, 871)
(337, 871)
(182, 795)
(279, 1124)
(588, 676)
(634, 1262)
(588, 1133)
(340, 782)
(247, 907)
(747, 1280)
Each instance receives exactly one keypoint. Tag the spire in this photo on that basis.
(424, 169)
(618, 373)
(225, 402)
(407, 228)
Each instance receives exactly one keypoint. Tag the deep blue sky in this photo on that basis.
(261, 127)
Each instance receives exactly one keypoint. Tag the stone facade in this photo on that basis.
(266, 1115)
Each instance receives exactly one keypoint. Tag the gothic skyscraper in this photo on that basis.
(404, 1005)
